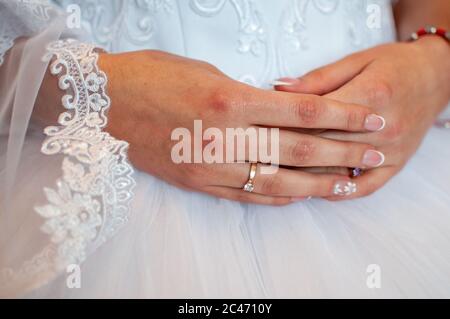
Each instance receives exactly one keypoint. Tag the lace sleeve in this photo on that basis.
(74, 206)
(91, 199)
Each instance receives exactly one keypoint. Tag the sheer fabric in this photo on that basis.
(89, 201)
(56, 211)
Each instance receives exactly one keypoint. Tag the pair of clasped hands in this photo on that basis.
(369, 110)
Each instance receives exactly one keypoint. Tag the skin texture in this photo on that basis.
(322, 116)
(410, 15)
(392, 72)
(407, 83)
(164, 92)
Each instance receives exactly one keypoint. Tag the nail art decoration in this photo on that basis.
(344, 188)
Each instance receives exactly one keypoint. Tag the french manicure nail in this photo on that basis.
(285, 82)
(344, 188)
(374, 123)
(373, 158)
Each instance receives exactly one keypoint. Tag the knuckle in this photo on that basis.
(379, 93)
(307, 110)
(355, 118)
(272, 185)
(301, 152)
(352, 154)
(222, 99)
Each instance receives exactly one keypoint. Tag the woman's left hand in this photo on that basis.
(406, 83)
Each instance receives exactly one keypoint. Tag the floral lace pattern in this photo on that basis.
(91, 199)
(108, 31)
(295, 21)
(253, 32)
(274, 43)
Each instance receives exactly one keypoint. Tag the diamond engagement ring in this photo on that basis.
(250, 185)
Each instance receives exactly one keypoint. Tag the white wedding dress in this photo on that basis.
(136, 236)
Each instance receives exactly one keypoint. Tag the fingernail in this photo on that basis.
(374, 123)
(309, 198)
(373, 158)
(344, 188)
(285, 82)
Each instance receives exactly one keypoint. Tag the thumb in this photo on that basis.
(325, 79)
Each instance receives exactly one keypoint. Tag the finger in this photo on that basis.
(282, 182)
(370, 88)
(389, 147)
(344, 171)
(245, 197)
(279, 109)
(326, 79)
(302, 150)
(375, 139)
(369, 182)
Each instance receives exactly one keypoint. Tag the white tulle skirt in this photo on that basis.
(179, 244)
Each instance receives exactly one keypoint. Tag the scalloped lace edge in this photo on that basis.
(91, 200)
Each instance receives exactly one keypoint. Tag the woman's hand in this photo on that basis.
(407, 83)
(153, 93)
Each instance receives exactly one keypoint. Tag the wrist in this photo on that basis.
(433, 42)
(433, 55)
(48, 101)
(109, 64)
(436, 50)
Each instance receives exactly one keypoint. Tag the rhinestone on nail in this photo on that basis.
(345, 190)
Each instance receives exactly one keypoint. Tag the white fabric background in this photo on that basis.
(179, 244)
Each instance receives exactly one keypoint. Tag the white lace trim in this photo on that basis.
(91, 200)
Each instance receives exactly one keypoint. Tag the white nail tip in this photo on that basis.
(344, 188)
(383, 158)
(384, 123)
(280, 83)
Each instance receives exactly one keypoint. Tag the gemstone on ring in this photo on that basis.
(356, 172)
(249, 187)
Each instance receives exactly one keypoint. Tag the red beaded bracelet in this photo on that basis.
(430, 30)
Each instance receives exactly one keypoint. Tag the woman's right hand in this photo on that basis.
(152, 93)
